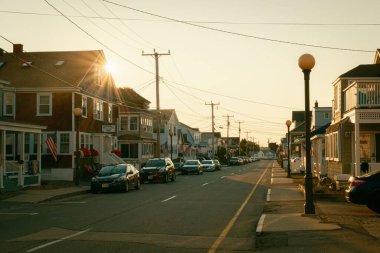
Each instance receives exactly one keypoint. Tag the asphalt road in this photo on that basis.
(214, 212)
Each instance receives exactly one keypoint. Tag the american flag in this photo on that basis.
(52, 147)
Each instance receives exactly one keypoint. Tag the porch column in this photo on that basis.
(39, 136)
(2, 159)
(356, 171)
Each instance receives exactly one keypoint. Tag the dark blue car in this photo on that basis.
(365, 190)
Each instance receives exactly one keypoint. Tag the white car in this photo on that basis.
(208, 165)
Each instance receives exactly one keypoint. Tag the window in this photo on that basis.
(337, 97)
(98, 110)
(332, 146)
(133, 126)
(147, 149)
(64, 143)
(84, 106)
(366, 147)
(123, 123)
(44, 104)
(9, 104)
(129, 150)
(85, 140)
(110, 113)
(59, 63)
(326, 114)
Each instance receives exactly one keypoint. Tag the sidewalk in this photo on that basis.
(41, 194)
(283, 226)
(284, 189)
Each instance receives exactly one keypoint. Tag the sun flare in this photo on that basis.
(110, 68)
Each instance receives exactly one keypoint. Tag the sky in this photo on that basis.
(241, 55)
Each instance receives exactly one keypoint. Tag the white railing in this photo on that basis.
(362, 95)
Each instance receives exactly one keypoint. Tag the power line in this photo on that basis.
(241, 34)
(197, 22)
(236, 98)
(101, 43)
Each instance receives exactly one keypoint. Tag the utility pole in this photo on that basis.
(239, 122)
(158, 118)
(247, 144)
(212, 126)
(228, 130)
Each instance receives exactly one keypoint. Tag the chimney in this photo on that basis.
(17, 48)
(316, 104)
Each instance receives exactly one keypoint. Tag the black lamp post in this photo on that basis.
(306, 62)
(171, 143)
(77, 114)
(288, 123)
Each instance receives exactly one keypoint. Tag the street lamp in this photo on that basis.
(171, 143)
(77, 114)
(306, 62)
(288, 123)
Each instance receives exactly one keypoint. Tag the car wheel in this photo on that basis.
(126, 187)
(374, 202)
(138, 186)
(173, 177)
(93, 190)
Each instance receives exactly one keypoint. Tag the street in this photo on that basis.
(214, 212)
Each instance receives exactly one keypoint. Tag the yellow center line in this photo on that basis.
(232, 222)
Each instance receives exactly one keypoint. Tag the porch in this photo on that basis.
(362, 106)
(18, 168)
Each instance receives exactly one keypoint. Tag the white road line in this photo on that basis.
(204, 184)
(168, 199)
(268, 194)
(57, 241)
(260, 225)
(19, 213)
(222, 177)
(231, 223)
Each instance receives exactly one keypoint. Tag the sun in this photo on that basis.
(110, 68)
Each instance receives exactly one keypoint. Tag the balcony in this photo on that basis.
(365, 95)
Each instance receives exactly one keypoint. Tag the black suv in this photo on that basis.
(158, 169)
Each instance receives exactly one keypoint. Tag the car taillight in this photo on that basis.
(357, 182)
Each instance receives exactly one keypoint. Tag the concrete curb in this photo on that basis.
(65, 195)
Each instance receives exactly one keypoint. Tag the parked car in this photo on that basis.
(217, 164)
(192, 166)
(235, 161)
(208, 165)
(158, 169)
(116, 177)
(365, 190)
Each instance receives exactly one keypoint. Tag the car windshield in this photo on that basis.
(112, 170)
(207, 162)
(155, 163)
(191, 163)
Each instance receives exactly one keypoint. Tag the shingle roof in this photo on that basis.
(56, 70)
(133, 100)
(369, 70)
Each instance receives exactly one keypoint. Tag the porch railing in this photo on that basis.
(362, 95)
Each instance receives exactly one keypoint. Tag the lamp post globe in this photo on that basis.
(306, 62)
